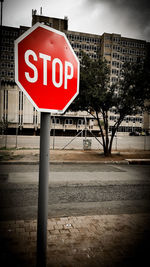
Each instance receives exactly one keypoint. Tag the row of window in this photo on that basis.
(91, 55)
(124, 58)
(80, 38)
(7, 57)
(132, 44)
(116, 64)
(123, 42)
(4, 73)
(115, 71)
(114, 79)
(7, 48)
(126, 129)
(68, 121)
(85, 39)
(7, 65)
(7, 41)
(84, 46)
(127, 119)
(10, 33)
(128, 51)
(54, 120)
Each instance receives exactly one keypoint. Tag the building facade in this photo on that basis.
(16, 112)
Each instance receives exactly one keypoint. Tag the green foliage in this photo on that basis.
(95, 92)
(132, 89)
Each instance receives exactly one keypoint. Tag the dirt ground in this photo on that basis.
(71, 155)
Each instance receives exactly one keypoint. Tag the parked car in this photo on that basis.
(134, 133)
(144, 133)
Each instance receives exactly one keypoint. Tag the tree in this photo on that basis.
(97, 97)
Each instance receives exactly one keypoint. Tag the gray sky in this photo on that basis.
(130, 18)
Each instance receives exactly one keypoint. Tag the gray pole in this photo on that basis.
(43, 190)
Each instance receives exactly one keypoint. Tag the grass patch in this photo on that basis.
(6, 155)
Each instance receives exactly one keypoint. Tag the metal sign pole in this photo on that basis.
(43, 190)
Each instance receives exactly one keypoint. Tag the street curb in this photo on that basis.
(139, 161)
(123, 162)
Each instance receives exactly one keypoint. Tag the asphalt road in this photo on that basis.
(75, 189)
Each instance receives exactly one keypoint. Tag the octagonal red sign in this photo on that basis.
(46, 68)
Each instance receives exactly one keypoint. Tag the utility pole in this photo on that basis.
(1, 11)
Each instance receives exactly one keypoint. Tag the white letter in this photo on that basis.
(35, 77)
(68, 76)
(57, 61)
(45, 59)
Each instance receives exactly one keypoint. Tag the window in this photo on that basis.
(107, 54)
(117, 56)
(87, 48)
(113, 71)
(108, 45)
(55, 120)
(127, 58)
(107, 37)
(81, 121)
(3, 73)
(68, 121)
(113, 79)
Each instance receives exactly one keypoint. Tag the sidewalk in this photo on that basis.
(31, 156)
(105, 241)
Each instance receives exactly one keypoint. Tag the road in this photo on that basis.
(75, 189)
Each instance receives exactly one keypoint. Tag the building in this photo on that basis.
(16, 112)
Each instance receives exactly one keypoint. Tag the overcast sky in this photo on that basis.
(130, 18)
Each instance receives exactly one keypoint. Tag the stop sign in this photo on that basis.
(46, 68)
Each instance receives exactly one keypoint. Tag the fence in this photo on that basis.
(59, 142)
